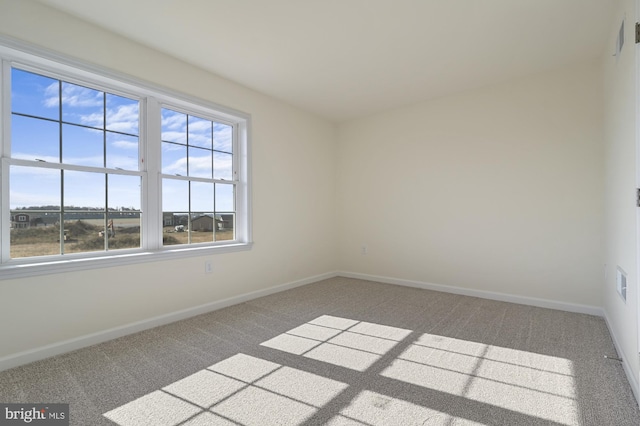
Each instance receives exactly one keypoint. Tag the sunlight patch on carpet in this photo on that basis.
(339, 341)
(241, 389)
(247, 390)
(536, 385)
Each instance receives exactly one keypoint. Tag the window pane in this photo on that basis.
(225, 227)
(83, 232)
(222, 166)
(175, 227)
(34, 197)
(175, 208)
(122, 151)
(31, 238)
(200, 163)
(34, 94)
(123, 211)
(200, 132)
(175, 195)
(174, 126)
(82, 146)
(123, 114)
(126, 225)
(32, 138)
(201, 228)
(81, 105)
(124, 193)
(174, 159)
(224, 198)
(84, 191)
(201, 197)
(223, 137)
(33, 187)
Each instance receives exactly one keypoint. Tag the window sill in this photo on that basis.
(58, 266)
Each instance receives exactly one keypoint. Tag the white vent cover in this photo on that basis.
(621, 283)
(619, 40)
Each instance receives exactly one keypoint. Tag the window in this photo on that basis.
(97, 167)
(74, 167)
(198, 189)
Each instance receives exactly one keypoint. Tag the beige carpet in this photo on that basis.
(345, 352)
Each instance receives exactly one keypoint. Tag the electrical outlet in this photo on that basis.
(208, 268)
(364, 249)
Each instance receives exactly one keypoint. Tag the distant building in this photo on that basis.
(168, 219)
(202, 223)
(206, 222)
(20, 221)
(225, 221)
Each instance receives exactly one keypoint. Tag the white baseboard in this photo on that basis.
(21, 358)
(503, 297)
(633, 381)
(58, 348)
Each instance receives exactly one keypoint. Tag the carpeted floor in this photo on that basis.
(345, 352)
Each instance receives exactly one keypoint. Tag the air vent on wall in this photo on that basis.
(621, 283)
(620, 40)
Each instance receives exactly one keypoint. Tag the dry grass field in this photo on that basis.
(171, 237)
(82, 236)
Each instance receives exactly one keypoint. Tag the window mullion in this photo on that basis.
(105, 222)
(242, 177)
(5, 232)
(150, 162)
(5, 149)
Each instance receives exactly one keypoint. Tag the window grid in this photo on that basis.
(194, 220)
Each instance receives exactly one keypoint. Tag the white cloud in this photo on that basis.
(174, 120)
(200, 140)
(168, 147)
(124, 118)
(94, 120)
(173, 136)
(223, 137)
(200, 126)
(122, 144)
(199, 165)
(223, 167)
(177, 167)
(73, 96)
(51, 94)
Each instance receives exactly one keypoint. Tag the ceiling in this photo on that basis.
(344, 59)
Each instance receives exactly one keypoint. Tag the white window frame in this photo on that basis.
(152, 99)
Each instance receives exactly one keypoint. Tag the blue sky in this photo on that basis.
(91, 116)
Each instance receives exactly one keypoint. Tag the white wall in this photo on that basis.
(294, 197)
(620, 183)
(496, 190)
